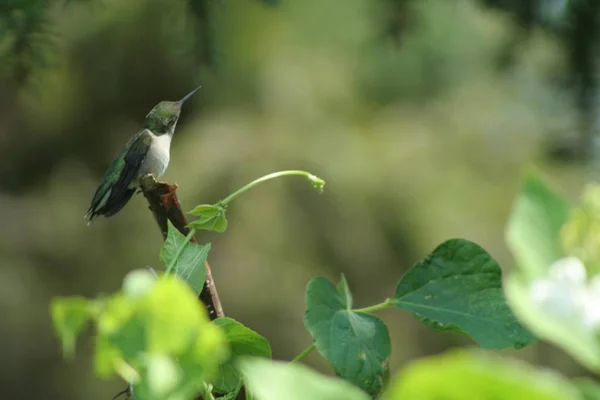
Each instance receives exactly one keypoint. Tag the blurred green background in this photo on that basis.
(420, 114)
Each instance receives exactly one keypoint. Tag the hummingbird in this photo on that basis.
(148, 152)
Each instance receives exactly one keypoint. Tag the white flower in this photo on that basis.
(567, 296)
(554, 297)
(568, 270)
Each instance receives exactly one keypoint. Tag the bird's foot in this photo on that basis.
(148, 180)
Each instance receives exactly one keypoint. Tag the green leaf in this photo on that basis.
(155, 334)
(357, 345)
(568, 335)
(533, 230)
(460, 375)
(161, 332)
(458, 287)
(242, 342)
(69, 315)
(169, 330)
(273, 380)
(190, 264)
(210, 217)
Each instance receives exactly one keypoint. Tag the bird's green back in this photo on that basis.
(113, 173)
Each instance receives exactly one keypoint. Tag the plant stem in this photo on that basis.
(306, 352)
(367, 310)
(207, 395)
(180, 250)
(316, 181)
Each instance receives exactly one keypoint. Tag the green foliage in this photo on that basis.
(184, 258)
(27, 39)
(533, 231)
(357, 345)
(242, 342)
(458, 287)
(210, 217)
(157, 336)
(460, 375)
(268, 380)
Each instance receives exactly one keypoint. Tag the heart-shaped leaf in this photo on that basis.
(357, 345)
(458, 287)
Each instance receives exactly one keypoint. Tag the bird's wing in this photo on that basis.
(110, 196)
(134, 155)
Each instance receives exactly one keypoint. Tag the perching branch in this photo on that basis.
(165, 207)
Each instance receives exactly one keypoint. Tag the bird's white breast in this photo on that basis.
(157, 160)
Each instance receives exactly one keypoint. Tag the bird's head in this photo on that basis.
(163, 117)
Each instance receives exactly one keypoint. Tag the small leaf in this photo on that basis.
(273, 380)
(242, 342)
(357, 345)
(461, 374)
(210, 217)
(204, 211)
(190, 265)
(69, 315)
(344, 290)
(533, 231)
(458, 287)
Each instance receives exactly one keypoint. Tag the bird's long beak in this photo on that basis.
(190, 94)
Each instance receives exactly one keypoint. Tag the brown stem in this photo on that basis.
(165, 206)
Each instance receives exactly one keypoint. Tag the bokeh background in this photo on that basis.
(420, 114)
